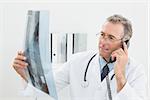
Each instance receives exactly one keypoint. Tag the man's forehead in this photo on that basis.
(116, 30)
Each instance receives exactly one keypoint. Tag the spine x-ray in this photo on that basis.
(39, 70)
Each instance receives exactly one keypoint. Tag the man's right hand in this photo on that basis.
(19, 64)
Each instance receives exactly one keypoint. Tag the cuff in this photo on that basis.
(28, 90)
(128, 93)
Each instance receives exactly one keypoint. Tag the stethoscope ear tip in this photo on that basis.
(85, 84)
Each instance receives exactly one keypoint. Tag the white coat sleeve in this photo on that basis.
(135, 87)
(61, 76)
(30, 91)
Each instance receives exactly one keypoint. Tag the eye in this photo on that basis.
(111, 37)
(102, 34)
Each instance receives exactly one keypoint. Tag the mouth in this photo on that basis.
(106, 50)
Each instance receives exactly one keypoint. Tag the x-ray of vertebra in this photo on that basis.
(42, 49)
(39, 70)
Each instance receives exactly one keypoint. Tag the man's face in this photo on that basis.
(110, 38)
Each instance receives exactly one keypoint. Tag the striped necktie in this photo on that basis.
(105, 72)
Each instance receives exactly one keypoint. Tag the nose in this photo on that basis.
(102, 43)
(104, 40)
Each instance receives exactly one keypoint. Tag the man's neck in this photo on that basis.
(106, 59)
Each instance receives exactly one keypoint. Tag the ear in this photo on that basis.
(127, 43)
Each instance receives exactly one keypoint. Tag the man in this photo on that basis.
(109, 74)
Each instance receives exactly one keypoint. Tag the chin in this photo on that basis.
(103, 54)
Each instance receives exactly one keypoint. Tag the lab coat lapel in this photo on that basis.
(101, 87)
(96, 69)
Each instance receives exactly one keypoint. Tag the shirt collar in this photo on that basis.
(102, 63)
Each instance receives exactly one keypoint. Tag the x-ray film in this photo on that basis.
(40, 73)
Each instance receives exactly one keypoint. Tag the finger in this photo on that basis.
(20, 57)
(20, 70)
(118, 51)
(21, 63)
(115, 53)
(20, 52)
(114, 56)
(17, 66)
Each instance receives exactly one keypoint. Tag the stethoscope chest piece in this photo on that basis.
(85, 84)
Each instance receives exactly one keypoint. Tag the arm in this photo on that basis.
(20, 65)
(133, 87)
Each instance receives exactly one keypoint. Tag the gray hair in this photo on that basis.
(118, 19)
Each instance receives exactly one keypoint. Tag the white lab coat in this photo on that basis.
(72, 73)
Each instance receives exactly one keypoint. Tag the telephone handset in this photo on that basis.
(127, 43)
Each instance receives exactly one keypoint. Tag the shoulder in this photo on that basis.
(133, 63)
(134, 67)
(78, 59)
(82, 55)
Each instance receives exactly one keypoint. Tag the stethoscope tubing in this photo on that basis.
(86, 83)
(86, 70)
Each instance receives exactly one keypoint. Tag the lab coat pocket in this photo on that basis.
(100, 95)
(100, 92)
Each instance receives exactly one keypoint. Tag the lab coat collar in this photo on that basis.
(102, 63)
(97, 67)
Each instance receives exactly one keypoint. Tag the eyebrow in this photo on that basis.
(109, 34)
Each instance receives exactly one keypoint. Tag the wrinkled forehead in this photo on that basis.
(115, 29)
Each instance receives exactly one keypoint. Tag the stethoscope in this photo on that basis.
(85, 83)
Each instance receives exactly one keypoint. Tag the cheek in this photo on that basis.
(99, 41)
(102, 43)
(115, 47)
(99, 44)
